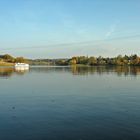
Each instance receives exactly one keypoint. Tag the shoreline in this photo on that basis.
(6, 64)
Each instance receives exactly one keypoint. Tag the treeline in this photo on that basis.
(85, 60)
(77, 60)
(10, 59)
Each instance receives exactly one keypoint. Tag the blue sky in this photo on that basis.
(64, 28)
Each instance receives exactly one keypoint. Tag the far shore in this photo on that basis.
(132, 60)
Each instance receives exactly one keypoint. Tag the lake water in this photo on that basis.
(70, 103)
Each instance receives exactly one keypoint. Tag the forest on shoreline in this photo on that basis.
(77, 60)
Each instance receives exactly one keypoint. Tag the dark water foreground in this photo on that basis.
(70, 103)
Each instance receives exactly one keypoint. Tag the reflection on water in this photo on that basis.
(6, 71)
(63, 103)
(75, 70)
(9, 71)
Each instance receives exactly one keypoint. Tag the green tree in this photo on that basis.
(20, 60)
(92, 61)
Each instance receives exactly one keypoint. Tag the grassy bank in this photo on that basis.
(6, 64)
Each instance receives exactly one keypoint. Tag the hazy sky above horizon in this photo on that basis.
(64, 28)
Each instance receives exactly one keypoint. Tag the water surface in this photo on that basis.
(70, 103)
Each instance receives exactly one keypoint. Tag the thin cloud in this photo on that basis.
(112, 29)
(75, 44)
